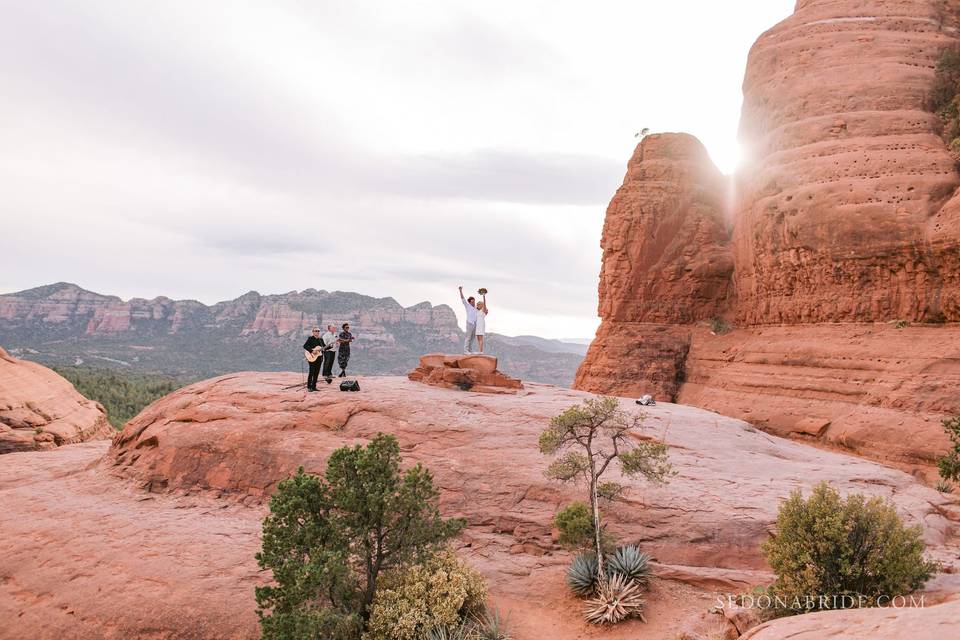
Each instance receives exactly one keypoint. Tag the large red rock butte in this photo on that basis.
(40, 410)
(166, 521)
(841, 226)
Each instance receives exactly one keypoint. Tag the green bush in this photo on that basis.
(413, 599)
(831, 547)
(575, 523)
(329, 540)
(949, 465)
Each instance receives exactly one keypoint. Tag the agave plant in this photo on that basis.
(617, 598)
(582, 575)
(631, 563)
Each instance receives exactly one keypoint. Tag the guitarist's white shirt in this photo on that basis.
(330, 338)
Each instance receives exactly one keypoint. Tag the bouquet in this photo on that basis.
(482, 291)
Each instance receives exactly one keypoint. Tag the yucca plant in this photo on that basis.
(617, 599)
(631, 563)
(582, 574)
(944, 486)
(490, 626)
(459, 632)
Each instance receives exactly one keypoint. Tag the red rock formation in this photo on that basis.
(665, 245)
(876, 390)
(41, 410)
(208, 456)
(74, 311)
(476, 373)
(666, 259)
(845, 168)
(842, 212)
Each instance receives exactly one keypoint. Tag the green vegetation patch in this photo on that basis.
(123, 394)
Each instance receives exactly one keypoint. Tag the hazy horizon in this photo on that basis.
(390, 150)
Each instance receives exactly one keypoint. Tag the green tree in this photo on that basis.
(594, 434)
(327, 540)
(122, 393)
(950, 464)
(833, 547)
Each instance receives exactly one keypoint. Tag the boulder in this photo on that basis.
(468, 372)
(39, 409)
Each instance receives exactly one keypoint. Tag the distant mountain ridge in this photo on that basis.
(63, 323)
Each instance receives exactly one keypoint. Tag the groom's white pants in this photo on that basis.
(471, 336)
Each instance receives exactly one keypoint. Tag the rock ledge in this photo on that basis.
(469, 372)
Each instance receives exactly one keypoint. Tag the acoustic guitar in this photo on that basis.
(313, 355)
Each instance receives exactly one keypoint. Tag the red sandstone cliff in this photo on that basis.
(666, 259)
(41, 410)
(845, 212)
(846, 171)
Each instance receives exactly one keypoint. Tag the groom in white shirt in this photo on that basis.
(468, 306)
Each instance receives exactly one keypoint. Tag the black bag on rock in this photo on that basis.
(349, 385)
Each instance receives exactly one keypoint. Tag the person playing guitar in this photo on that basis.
(313, 349)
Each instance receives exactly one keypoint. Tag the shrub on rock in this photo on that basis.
(831, 553)
(413, 599)
(949, 464)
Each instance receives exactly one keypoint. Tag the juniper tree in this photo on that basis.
(592, 435)
(327, 540)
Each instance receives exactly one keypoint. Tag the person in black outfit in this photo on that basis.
(343, 358)
(312, 343)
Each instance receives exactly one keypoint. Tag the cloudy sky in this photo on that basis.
(203, 149)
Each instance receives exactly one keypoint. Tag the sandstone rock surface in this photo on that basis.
(939, 621)
(845, 171)
(39, 409)
(844, 211)
(167, 522)
(467, 372)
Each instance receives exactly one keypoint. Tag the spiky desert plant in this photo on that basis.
(631, 563)
(458, 632)
(617, 599)
(490, 626)
(582, 574)
(945, 486)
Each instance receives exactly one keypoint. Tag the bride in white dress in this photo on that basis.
(482, 312)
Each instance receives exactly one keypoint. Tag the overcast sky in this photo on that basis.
(204, 149)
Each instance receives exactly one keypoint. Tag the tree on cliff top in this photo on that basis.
(594, 434)
(327, 540)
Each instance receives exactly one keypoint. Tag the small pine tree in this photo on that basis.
(594, 434)
(327, 540)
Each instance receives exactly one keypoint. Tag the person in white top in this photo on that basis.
(468, 306)
(482, 311)
(331, 343)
